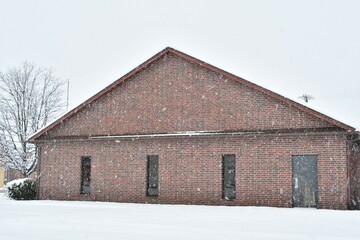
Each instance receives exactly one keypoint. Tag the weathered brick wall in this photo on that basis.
(176, 95)
(354, 174)
(190, 169)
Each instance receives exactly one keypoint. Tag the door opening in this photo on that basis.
(304, 181)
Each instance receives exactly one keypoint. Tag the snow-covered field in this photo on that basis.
(97, 220)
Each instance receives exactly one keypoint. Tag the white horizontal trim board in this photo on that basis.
(193, 134)
(209, 133)
(175, 134)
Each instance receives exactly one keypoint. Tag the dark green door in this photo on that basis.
(304, 176)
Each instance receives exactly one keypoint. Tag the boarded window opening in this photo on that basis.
(85, 175)
(152, 175)
(228, 177)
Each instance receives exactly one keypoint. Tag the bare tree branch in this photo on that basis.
(30, 97)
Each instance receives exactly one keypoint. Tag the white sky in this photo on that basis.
(290, 47)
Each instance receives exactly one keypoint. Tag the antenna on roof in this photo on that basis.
(306, 97)
(67, 95)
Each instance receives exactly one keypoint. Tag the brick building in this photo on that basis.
(177, 130)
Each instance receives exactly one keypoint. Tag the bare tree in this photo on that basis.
(30, 97)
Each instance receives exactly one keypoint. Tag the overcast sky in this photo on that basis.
(290, 47)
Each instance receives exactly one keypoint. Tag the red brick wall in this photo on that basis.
(176, 95)
(190, 169)
(354, 173)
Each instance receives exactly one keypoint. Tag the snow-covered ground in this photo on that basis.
(97, 220)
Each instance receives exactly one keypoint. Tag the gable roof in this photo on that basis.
(203, 64)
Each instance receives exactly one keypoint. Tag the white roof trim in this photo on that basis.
(175, 134)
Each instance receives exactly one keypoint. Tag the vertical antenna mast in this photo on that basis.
(67, 96)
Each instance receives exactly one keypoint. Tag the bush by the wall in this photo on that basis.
(21, 189)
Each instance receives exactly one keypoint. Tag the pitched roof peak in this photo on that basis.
(201, 63)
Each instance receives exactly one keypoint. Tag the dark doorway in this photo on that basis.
(228, 176)
(152, 175)
(85, 174)
(304, 185)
